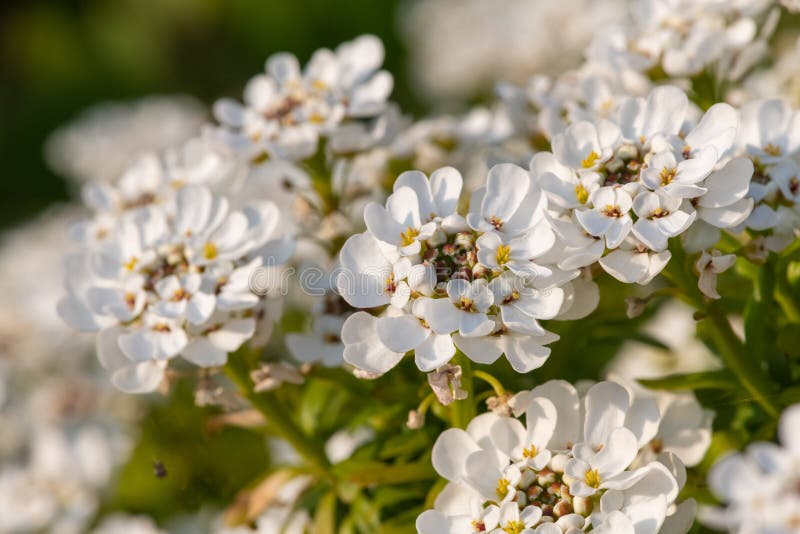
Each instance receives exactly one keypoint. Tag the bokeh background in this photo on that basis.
(58, 57)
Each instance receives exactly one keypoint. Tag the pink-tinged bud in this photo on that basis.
(534, 491)
(562, 508)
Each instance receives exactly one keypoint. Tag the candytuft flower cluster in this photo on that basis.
(596, 270)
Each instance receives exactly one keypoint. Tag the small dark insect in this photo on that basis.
(159, 470)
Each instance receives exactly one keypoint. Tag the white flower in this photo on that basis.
(416, 209)
(510, 204)
(466, 310)
(586, 145)
(769, 467)
(709, 266)
(659, 218)
(106, 138)
(610, 217)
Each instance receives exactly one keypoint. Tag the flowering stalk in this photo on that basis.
(238, 371)
(731, 350)
(464, 410)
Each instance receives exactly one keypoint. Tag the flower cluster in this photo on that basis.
(163, 267)
(630, 185)
(286, 111)
(578, 462)
(480, 283)
(761, 487)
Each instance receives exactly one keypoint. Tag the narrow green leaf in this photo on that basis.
(720, 379)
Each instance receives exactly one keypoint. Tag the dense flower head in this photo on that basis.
(287, 110)
(172, 279)
(480, 283)
(631, 184)
(576, 463)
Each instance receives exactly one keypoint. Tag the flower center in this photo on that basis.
(590, 160)
(495, 221)
(131, 263)
(210, 251)
(502, 487)
(659, 213)
(511, 297)
(581, 194)
(514, 527)
(612, 211)
(179, 294)
(408, 237)
(667, 175)
(772, 150)
(479, 526)
(503, 253)
(530, 452)
(592, 478)
(467, 304)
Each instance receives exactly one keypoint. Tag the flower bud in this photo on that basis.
(562, 508)
(558, 463)
(582, 506)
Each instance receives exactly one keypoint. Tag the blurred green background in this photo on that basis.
(61, 56)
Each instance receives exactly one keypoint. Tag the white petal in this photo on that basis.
(400, 334)
(450, 452)
(202, 352)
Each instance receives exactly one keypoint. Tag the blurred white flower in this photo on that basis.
(286, 110)
(459, 48)
(769, 467)
(107, 138)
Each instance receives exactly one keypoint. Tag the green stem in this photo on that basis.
(275, 414)
(463, 411)
(731, 349)
(732, 352)
(783, 292)
(492, 381)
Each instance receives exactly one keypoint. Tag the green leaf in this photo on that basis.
(367, 474)
(720, 379)
(325, 517)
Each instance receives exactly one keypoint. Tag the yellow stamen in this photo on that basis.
(592, 478)
(772, 150)
(179, 295)
(581, 193)
(667, 175)
(467, 304)
(503, 253)
(210, 251)
(590, 160)
(514, 527)
(408, 237)
(502, 487)
(131, 264)
(530, 452)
